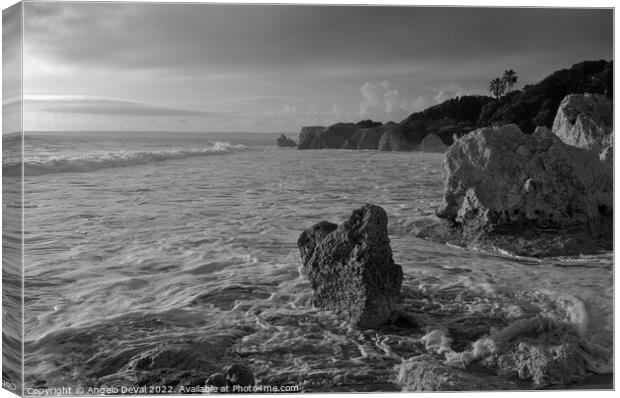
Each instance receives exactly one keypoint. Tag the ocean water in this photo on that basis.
(138, 243)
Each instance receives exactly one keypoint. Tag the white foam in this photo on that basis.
(96, 161)
(438, 341)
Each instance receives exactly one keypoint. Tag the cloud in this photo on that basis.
(444, 95)
(94, 105)
(382, 101)
(285, 110)
(454, 90)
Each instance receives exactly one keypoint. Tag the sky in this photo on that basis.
(275, 68)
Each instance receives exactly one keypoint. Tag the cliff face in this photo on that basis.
(308, 135)
(457, 116)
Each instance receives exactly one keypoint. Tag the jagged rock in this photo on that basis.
(307, 136)
(432, 143)
(393, 139)
(585, 121)
(350, 267)
(500, 176)
(425, 373)
(283, 141)
(544, 365)
(499, 181)
(547, 354)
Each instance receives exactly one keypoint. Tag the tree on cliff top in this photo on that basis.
(510, 77)
(497, 87)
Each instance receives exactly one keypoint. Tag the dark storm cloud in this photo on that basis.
(208, 37)
(108, 106)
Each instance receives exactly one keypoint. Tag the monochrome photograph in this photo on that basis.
(206, 198)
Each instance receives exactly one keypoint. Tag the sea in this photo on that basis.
(156, 258)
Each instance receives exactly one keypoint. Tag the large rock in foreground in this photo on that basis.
(585, 121)
(499, 180)
(350, 267)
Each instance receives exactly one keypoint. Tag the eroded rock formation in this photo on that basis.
(350, 267)
(503, 182)
(432, 143)
(393, 139)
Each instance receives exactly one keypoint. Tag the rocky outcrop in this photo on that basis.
(545, 352)
(308, 135)
(393, 139)
(363, 135)
(336, 136)
(283, 142)
(425, 373)
(544, 362)
(585, 121)
(501, 181)
(432, 143)
(350, 267)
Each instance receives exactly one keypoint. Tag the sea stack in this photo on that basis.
(283, 142)
(350, 267)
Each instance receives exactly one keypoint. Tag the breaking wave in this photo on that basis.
(92, 162)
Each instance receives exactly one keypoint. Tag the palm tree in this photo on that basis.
(497, 87)
(510, 77)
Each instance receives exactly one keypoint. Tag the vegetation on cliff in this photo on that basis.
(534, 105)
